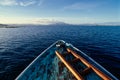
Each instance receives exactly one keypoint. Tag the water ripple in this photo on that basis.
(19, 46)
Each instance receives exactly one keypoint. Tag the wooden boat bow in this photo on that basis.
(77, 75)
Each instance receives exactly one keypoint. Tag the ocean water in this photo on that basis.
(19, 46)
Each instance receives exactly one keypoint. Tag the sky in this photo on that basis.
(55, 11)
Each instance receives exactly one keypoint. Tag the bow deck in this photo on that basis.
(62, 61)
(79, 72)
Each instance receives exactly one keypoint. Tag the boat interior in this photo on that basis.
(62, 61)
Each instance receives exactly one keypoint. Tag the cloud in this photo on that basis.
(29, 20)
(8, 2)
(45, 21)
(20, 3)
(27, 3)
(81, 6)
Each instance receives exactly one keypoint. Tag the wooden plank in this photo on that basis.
(97, 71)
(72, 70)
(86, 71)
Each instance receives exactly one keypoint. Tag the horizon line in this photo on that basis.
(64, 23)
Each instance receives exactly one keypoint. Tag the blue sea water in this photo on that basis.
(19, 46)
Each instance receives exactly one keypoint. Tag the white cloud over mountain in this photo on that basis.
(21, 20)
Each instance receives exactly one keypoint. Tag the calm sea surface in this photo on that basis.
(19, 46)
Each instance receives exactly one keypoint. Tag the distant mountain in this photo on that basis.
(110, 23)
(7, 26)
(3, 25)
(101, 24)
(59, 24)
